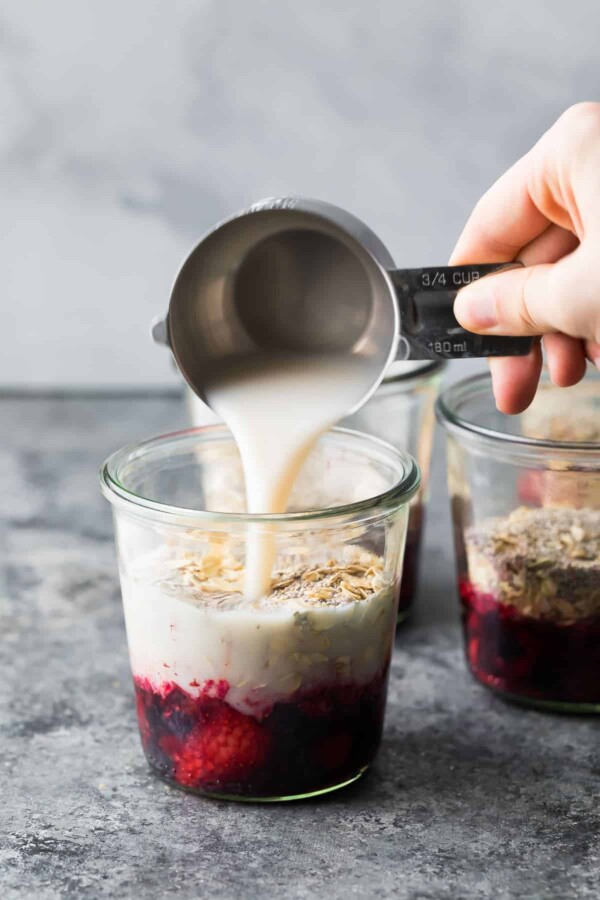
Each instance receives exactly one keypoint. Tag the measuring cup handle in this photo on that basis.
(429, 329)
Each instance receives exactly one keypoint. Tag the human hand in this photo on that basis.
(545, 211)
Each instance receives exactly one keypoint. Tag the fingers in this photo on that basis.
(504, 220)
(565, 358)
(537, 212)
(557, 182)
(515, 380)
(564, 296)
(550, 246)
(504, 304)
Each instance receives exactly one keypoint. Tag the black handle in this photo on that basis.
(428, 327)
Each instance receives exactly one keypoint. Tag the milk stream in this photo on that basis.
(276, 411)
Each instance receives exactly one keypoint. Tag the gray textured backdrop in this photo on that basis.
(126, 129)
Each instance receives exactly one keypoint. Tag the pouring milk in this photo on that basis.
(276, 409)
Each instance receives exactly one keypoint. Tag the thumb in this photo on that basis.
(555, 297)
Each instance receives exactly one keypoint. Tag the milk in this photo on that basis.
(276, 409)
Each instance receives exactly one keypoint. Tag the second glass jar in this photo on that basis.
(401, 412)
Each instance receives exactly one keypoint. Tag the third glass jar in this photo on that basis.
(525, 494)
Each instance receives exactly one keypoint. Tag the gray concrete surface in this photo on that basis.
(471, 799)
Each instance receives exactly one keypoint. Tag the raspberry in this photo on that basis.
(531, 487)
(141, 703)
(226, 746)
(314, 740)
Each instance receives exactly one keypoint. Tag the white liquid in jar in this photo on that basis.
(276, 411)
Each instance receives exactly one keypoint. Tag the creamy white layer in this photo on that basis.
(266, 654)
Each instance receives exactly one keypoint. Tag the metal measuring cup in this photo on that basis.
(301, 276)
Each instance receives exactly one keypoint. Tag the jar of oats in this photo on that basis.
(525, 494)
(279, 696)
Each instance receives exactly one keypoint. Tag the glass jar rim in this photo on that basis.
(451, 398)
(412, 371)
(117, 494)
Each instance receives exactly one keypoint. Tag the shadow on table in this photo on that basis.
(455, 765)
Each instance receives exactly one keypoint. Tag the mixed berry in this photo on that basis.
(530, 595)
(314, 740)
(530, 657)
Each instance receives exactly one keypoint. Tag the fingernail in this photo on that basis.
(596, 361)
(475, 310)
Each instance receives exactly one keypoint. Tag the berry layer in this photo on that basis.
(530, 657)
(315, 739)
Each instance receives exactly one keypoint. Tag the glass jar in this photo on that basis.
(525, 493)
(277, 698)
(401, 412)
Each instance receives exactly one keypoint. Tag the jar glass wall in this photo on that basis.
(402, 412)
(265, 699)
(525, 494)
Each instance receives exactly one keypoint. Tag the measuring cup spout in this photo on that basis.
(159, 331)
